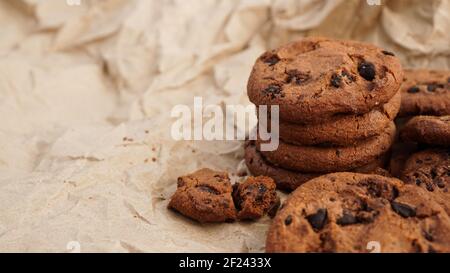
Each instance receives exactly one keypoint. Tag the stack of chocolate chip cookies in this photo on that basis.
(337, 102)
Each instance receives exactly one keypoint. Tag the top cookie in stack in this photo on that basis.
(337, 102)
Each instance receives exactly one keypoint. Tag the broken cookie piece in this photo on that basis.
(205, 196)
(256, 197)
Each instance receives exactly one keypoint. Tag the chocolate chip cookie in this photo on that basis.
(427, 129)
(256, 197)
(430, 169)
(330, 159)
(315, 79)
(425, 92)
(342, 130)
(288, 180)
(205, 196)
(399, 155)
(347, 212)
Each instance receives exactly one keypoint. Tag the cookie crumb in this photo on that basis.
(413, 90)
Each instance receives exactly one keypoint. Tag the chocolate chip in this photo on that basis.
(433, 173)
(365, 207)
(429, 187)
(413, 90)
(295, 76)
(367, 71)
(403, 210)
(418, 182)
(273, 90)
(347, 219)
(431, 87)
(272, 60)
(288, 220)
(385, 52)
(448, 80)
(395, 193)
(262, 189)
(336, 80)
(208, 189)
(180, 182)
(318, 219)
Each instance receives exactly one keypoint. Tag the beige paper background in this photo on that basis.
(76, 80)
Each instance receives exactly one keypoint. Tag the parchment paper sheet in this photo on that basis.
(85, 99)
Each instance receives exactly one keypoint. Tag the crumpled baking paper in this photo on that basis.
(87, 162)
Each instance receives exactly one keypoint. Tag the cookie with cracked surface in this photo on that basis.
(256, 197)
(205, 196)
(430, 169)
(430, 130)
(343, 212)
(425, 92)
(288, 180)
(314, 79)
(330, 159)
(342, 131)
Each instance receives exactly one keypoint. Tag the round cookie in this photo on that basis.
(330, 159)
(342, 131)
(427, 129)
(288, 180)
(348, 212)
(425, 92)
(205, 196)
(430, 169)
(314, 79)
